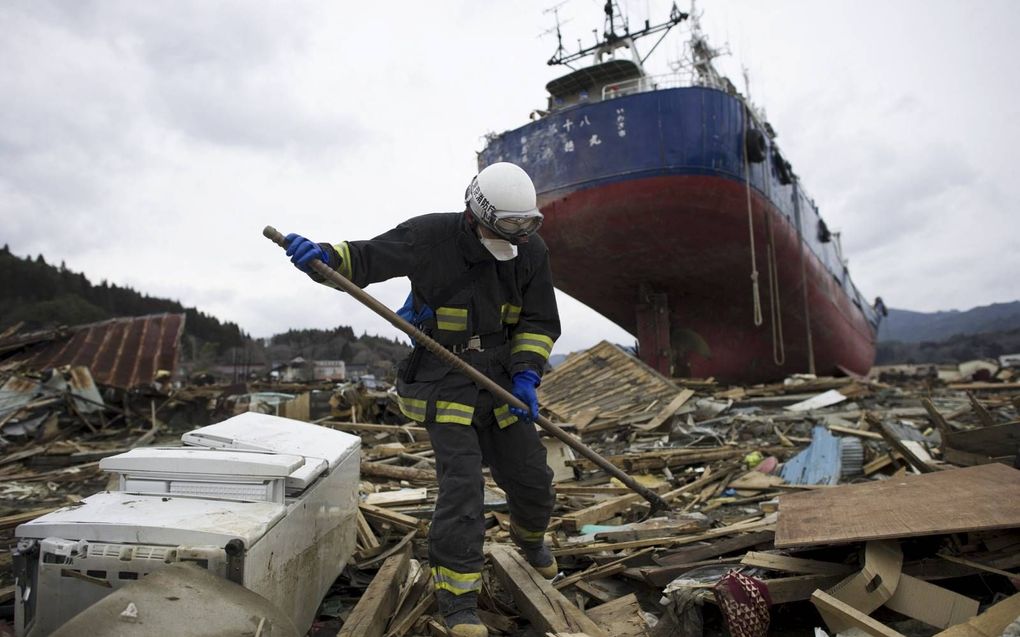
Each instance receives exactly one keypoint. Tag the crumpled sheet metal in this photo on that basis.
(122, 352)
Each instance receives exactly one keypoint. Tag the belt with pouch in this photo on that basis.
(480, 343)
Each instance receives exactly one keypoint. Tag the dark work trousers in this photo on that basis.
(517, 460)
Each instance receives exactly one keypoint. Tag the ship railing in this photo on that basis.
(657, 82)
(642, 85)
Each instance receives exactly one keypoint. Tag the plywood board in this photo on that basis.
(972, 499)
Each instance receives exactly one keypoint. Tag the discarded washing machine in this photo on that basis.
(267, 502)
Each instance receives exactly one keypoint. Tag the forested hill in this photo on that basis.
(43, 295)
(988, 331)
(914, 327)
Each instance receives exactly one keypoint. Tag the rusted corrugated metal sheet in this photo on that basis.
(122, 352)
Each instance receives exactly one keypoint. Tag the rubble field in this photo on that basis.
(887, 505)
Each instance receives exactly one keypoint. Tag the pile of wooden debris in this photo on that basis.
(828, 503)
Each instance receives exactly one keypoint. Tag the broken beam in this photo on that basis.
(544, 606)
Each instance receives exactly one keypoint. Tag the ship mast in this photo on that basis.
(611, 40)
(699, 58)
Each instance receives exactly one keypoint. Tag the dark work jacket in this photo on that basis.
(511, 301)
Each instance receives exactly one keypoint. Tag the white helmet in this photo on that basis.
(502, 198)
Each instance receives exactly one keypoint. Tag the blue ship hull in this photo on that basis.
(650, 203)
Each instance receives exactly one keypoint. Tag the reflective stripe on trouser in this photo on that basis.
(528, 537)
(518, 462)
(457, 583)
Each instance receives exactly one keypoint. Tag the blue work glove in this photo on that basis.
(414, 318)
(302, 252)
(525, 384)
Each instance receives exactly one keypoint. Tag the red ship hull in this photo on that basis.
(687, 237)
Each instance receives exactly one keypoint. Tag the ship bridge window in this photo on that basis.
(587, 84)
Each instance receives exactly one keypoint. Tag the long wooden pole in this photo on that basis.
(448, 357)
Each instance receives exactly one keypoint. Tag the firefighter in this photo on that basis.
(481, 287)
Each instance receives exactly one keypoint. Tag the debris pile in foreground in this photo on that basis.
(831, 503)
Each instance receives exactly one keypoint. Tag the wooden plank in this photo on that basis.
(416, 598)
(568, 489)
(908, 454)
(978, 566)
(404, 624)
(672, 458)
(596, 547)
(994, 441)
(544, 606)
(594, 573)
(667, 412)
(397, 498)
(573, 521)
(620, 617)
(379, 470)
(594, 591)
(980, 411)
(783, 590)
(734, 544)
(968, 459)
(958, 500)
(984, 386)
(991, 623)
(378, 603)
(11, 521)
(787, 564)
(881, 462)
(366, 537)
(840, 616)
(600, 512)
(654, 528)
(384, 516)
(600, 571)
(411, 433)
(936, 417)
(850, 431)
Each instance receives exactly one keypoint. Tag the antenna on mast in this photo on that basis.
(610, 39)
(555, 10)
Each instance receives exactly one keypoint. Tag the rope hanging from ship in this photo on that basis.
(778, 347)
(775, 308)
(755, 294)
(755, 150)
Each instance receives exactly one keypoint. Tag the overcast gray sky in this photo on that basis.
(148, 143)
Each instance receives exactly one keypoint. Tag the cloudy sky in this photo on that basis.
(148, 143)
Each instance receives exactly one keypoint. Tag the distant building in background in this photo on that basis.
(300, 370)
(357, 370)
(329, 370)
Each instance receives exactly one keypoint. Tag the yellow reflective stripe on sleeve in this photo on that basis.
(345, 259)
(530, 342)
(412, 408)
(510, 314)
(503, 416)
(456, 583)
(452, 319)
(458, 413)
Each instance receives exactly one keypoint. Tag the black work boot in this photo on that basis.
(537, 554)
(460, 612)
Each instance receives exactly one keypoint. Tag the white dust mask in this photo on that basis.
(502, 249)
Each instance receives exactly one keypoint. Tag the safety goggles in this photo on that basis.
(517, 225)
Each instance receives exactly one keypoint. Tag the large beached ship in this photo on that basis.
(671, 210)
